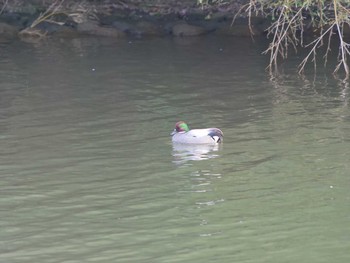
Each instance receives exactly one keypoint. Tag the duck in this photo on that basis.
(183, 134)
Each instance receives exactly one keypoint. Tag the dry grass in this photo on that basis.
(77, 11)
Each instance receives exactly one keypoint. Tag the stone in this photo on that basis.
(66, 31)
(91, 28)
(184, 29)
(149, 29)
(240, 27)
(346, 29)
(235, 30)
(8, 30)
(123, 26)
(31, 33)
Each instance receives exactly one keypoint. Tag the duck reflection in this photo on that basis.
(183, 153)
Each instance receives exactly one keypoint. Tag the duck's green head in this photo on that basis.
(181, 127)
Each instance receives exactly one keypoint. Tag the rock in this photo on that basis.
(183, 29)
(91, 28)
(221, 16)
(235, 30)
(346, 29)
(127, 28)
(149, 29)
(48, 27)
(240, 27)
(15, 19)
(66, 31)
(8, 30)
(139, 29)
(168, 27)
(123, 26)
(33, 33)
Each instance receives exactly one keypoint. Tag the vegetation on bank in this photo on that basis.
(293, 20)
(309, 24)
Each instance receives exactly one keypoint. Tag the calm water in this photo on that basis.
(88, 172)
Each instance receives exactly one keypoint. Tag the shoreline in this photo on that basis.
(38, 19)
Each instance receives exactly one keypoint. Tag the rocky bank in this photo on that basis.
(123, 19)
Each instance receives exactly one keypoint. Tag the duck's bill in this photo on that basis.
(174, 131)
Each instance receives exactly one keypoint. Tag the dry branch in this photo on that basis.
(287, 30)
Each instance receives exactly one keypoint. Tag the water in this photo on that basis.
(88, 172)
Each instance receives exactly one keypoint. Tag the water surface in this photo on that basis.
(88, 172)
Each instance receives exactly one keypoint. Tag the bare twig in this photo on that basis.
(249, 9)
(52, 10)
(4, 6)
(281, 39)
(330, 17)
(315, 44)
(343, 46)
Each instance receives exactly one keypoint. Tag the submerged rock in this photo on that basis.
(184, 29)
(147, 28)
(8, 31)
(91, 28)
(240, 27)
(236, 30)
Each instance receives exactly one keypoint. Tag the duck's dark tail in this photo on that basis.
(216, 134)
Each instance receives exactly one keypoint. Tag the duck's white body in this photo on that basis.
(198, 136)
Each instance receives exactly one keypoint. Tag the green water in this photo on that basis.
(88, 172)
